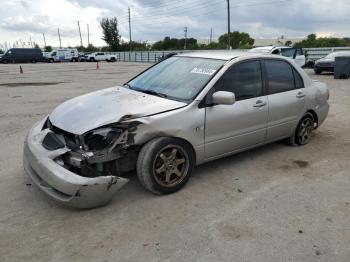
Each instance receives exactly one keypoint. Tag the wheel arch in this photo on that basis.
(314, 115)
(193, 151)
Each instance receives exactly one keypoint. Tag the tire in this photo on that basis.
(92, 59)
(5, 61)
(33, 61)
(302, 133)
(51, 60)
(318, 71)
(113, 59)
(163, 159)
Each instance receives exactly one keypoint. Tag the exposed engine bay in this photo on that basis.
(104, 151)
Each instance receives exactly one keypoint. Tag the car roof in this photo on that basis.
(228, 55)
(218, 54)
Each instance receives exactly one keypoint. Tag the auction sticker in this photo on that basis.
(203, 71)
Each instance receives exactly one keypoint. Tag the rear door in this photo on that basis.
(230, 128)
(100, 56)
(286, 98)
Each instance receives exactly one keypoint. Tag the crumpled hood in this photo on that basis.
(87, 112)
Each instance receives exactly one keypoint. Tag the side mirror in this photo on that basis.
(223, 98)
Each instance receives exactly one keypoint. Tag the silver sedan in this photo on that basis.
(179, 113)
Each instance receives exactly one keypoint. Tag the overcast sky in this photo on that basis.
(153, 19)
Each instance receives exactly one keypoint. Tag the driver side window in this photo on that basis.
(244, 80)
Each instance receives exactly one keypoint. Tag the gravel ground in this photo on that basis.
(274, 203)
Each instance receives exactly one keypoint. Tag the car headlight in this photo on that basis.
(102, 138)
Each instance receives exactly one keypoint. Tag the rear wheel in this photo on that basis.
(164, 165)
(5, 61)
(302, 133)
(33, 61)
(51, 60)
(92, 59)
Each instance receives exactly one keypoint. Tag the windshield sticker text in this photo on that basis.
(203, 71)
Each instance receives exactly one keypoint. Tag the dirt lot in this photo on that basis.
(274, 203)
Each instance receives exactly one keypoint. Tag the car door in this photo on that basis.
(286, 98)
(100, 56)
(229, 128)
(300, 58)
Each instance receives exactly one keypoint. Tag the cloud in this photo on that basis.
(153, 20)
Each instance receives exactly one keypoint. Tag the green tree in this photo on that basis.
(36, 46)
(288, 43)
(48, 48)
(313, 41)
(111, 33)
(91, 48)
(237, 40)
(175, 44)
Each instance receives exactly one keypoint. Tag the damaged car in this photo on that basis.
(184, 111)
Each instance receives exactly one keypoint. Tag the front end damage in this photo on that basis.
(81, 171)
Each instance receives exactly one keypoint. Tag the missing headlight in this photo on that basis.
(102, 138)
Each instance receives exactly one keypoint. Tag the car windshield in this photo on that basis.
(178, 78)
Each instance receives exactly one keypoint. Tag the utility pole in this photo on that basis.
(81, 40)
(129, 29)
(59, 37)
(211, 35)
(44, 40)
(185, 30)
(228, 25)
(88, 31)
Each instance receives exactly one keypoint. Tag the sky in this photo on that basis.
(152, 20)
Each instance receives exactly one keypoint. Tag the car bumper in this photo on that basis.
(328, 68)
(58, 182)
(322, 113)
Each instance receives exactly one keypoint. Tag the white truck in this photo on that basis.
(101, 56)
(62, 55)
(295, 54)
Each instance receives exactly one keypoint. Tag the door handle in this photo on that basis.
(260, 103)
(300, 95)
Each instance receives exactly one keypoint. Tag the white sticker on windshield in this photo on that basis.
(203, 71)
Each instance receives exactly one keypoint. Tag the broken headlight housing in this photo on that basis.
(102, 138)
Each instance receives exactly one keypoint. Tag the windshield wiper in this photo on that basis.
(127, 84)
(151, 92)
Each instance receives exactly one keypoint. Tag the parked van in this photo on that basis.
(22, 55)
(62, 55)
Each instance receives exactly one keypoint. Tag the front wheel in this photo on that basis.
(164, 165)
(302, 133)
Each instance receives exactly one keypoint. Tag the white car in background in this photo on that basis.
(101, 56)
(295, 54)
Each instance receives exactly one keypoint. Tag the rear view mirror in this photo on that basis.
(223, 98)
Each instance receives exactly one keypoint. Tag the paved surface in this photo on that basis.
(274, 203)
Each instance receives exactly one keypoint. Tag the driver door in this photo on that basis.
(230, 128)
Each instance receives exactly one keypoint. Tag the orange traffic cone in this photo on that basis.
(20, 70)
(97, 66)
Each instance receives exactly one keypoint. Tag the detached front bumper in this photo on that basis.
(58, 182)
